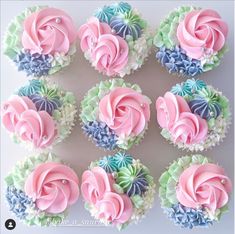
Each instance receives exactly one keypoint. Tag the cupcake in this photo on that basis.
(40, 189)
(115, 114)
(118, 190)
(116, 40)
(194, 192)
(191, 41)
(39, 115)
(41, 41)
(193, 115)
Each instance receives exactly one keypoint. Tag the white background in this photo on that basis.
(154, 151)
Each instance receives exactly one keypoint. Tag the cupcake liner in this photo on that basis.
(120, 168)
(202, 100)
(19, 198)
(39, 97)
(99, 131)
(171, 190)
(37, 64)
(174, 52)
(135, 38)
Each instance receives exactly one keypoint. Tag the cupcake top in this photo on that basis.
(193, 115)
(41, 41)
(191, 40)
(40, 189)
(194, 191)
(118, 190)
(39, 115)
(115, 114)
(116, 40)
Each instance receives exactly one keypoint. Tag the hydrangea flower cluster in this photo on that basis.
(125, 184)
(39, 115)
(202, 116)
(116, 40)
(29, 205)
(183, 44)
(37, 52)
(111, 128)
(185, 192)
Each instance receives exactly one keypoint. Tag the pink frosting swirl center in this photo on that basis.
(53, 186)
(204, 185)
(48, 31)
(202, 32)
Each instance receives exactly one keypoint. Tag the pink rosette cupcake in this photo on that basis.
(193, 115)
(116, 40)
(191, 41)
(115, 114)
(39, 115)
(41, 41)
(40, 190)
(194, 192)
(118, 190)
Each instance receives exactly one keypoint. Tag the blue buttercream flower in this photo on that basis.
(108, 164)
(194, 85)
(102, 135)
(120, 7)
(18, 201)
(188, 217)
(176, 61)
(33, 88)
(181, 90)
(104, 14)
(36, 64)
(122, 159)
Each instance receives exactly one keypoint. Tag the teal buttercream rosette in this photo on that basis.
(128, 179)
(183, 41)
(28, 207)
(33, 51)
(121, 29)
(101, 131)
(171, 190)
(207, 104)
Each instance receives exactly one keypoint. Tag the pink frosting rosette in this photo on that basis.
(125, 110)
(95, 183)
(201, 32)
(48, 31)
(107, 52)
(53, 187)
(20, 117)
(90, 32)
(97, 189)
(174, 115)
(189, 129)
(114, 208)
(37, 128)
(12, 110)
(204, 186)
(169, 108)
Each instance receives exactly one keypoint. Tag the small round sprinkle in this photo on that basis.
(58, 20)
(223, 181)
(64, 181)
(113, 31)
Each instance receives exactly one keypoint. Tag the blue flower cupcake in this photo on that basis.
(118, 190)
(193, 115)
(191, 41)
(36, 188)
(116, 40)
(41, 41)
(115, 114)
(194, 192)
(39, 115)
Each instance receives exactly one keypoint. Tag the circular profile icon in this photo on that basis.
(10, 224)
